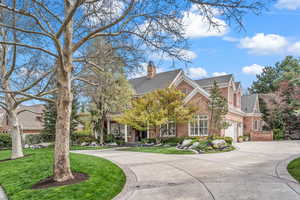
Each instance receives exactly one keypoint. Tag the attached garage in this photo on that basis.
(234, 130)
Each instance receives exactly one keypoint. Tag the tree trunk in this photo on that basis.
(101, 131)
(62, 168)
(13, 123)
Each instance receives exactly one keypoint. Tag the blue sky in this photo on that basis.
(268, 38)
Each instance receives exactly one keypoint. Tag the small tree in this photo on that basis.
(157, 108)
(218, 108)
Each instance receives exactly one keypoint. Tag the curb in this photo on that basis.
(2, 194)
(281, 172)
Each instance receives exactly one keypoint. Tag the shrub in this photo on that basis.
(34, 139)
(172, 140)
(149, 141)
(5, 140)
(79, 138)
(83, 132)
(228, 140)
(278, 134)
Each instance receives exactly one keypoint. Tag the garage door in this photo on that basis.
(231, 131)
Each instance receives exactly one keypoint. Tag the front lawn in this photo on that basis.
(105, 181)
(159, 149)
(294, 169)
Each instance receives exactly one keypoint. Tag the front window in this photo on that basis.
(199, 126)
(168, 130)
(257, 125)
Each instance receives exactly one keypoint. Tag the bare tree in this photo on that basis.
(108, 90)
(69, 25)
(15, 76)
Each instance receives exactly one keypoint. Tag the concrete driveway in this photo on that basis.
(256, 171)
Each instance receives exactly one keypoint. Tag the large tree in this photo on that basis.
(280, 88)
(24, 74)
(157, 108)
(67, 26)
(218, 108)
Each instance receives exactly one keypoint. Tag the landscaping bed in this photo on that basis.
(294, 169)
(158, 149)
(211, 144)
(104, 179)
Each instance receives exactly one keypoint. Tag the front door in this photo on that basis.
(140, 135)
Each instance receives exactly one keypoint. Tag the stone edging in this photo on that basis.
(281, 172)
(2, 194)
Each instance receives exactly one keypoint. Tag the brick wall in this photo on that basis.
(261, 136)
(185, 87)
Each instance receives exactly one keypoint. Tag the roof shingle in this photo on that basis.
(162, 80)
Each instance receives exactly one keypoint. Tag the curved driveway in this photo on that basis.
(256, 171)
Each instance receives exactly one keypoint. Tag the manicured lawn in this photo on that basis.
(294, 169)
(221, 151)
(105, 181)
(163, 150)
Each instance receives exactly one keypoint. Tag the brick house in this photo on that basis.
(244, 115)
(30, 119)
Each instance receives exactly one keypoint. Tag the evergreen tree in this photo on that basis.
(49, 118)
(218, 108)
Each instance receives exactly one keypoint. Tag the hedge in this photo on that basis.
(5, 140)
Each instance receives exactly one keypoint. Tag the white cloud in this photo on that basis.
(253, 69)
(100, 12)
(295, 49)
(197, 26)
(264, 44)
(288, 4)
(186, 54)
(230, 39)
(219, 73)
(196, 72)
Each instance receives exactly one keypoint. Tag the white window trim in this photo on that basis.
(198, 121)
(175, 133)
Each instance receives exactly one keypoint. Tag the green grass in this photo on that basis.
(294, 169)
(163, 150)
(105, 181)
(220, 151)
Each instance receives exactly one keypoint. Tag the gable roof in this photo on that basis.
(224, 79)
(248, 102)
(237, 84)
(162, 80)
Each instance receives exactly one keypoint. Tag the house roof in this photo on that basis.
(224, 79)
(237, 84)
(248, 103)
(162, 80)
(30, 117)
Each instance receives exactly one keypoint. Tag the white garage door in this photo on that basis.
(231, 131)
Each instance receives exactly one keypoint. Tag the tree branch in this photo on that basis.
(88, 37)
(29, 46)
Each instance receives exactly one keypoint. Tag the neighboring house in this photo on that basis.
(244, 115)
(30, 119)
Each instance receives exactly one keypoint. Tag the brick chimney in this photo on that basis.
(151, 70)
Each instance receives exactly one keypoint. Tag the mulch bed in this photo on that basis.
(49, 182)
(9, 159)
